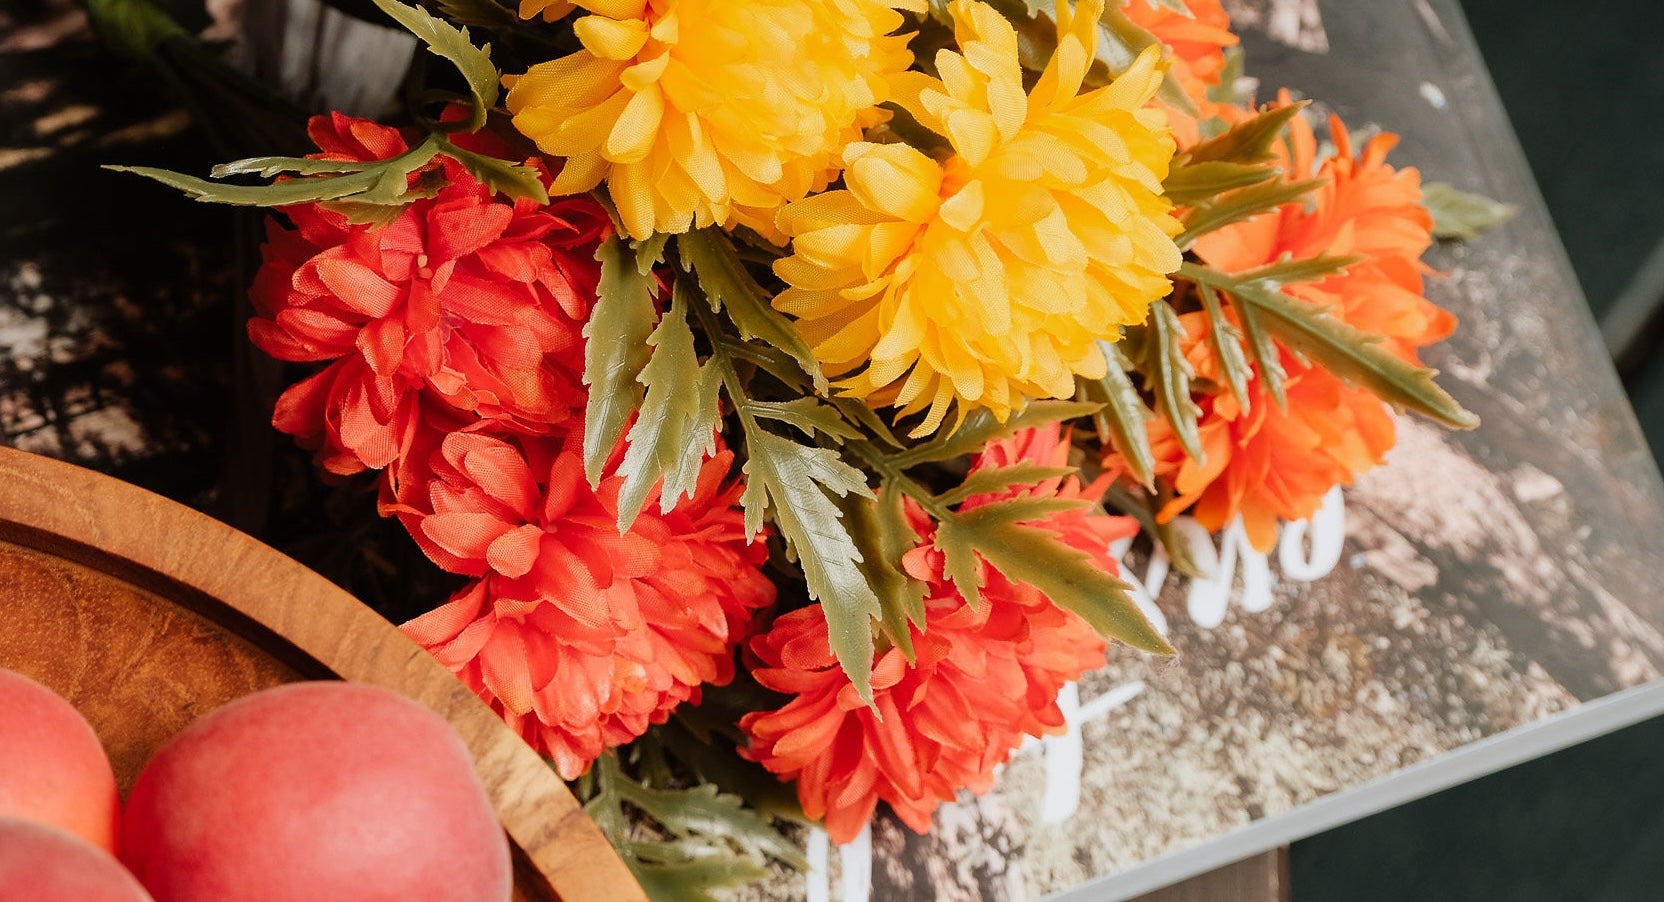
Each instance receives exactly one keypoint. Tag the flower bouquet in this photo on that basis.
(784, 377)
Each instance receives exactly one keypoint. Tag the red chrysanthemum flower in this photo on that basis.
(982, 678)
(579, 636)
(464, 308)
(1267, 464)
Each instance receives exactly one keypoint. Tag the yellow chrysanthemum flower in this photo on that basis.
(988, 279)
(710, 111)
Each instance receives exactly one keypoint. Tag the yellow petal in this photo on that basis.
(610, 38)
(896, 180)
(634, 133)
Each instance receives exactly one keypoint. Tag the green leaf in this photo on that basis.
(710, 255)
(710, 754)
(797, 482)
(1267, 358)
(1174, 5)
(882, 534)
(1463, 216)
(999, 479)
(650, 251)
(856, 411)
(1239, 205)
(981, 427)
(1000, 533)
(1121, 420)
(1291, 271)
(1227, 346)
(1249, 141)
(132, 27)
(1191, 182)
(510, 178)
(676, 430)
(453, 45)
(809, 415)
(615, 352)
(1355, 356)
(1170, 382)
(271, 166)
(378, 182)
(702, 811)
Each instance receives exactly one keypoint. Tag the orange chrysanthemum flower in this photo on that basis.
(697, 112)
(988, 280)
(580, 637)
(1264, 464)
(469, 306)
(982, 678)
(1196, 48)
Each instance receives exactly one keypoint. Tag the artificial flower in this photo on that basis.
(701, 112)
(982, 678)
(579, 636)
(464, 306)
(1266, 463)
(988, 279)
(1195, 45)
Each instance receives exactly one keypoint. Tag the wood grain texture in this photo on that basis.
(1262, 878)
(147, 614)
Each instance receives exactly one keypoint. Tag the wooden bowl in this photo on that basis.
(146, 614)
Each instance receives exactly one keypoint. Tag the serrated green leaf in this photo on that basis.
(377, 216)
(809, 415)
(1228, 90)
(453, 45)
(510, 178)
(1192, 182)
(1226, 339)
(615, 351)
(1120, 422)
(1001, 534)
(379, 182)
(795, 481)
(650, 251)
(1249, 141)
(1239, 205)
(700, 811)
(1267, 359)
(1170, 383)
(710, 255)
(705, 749)
(981, 427)
(858, 412)
(1463, 216)
(676, 430)
(1291, 271)
(271, 166)
(999, 479)
(1351, 354)
(880, 529)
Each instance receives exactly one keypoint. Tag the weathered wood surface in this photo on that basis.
(147, 614)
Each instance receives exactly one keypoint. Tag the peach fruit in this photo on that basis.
(53, 768)
(39, 863)
(315, 792)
